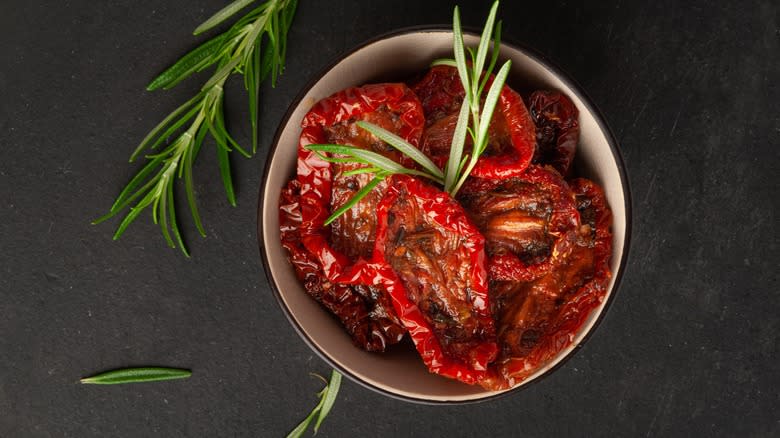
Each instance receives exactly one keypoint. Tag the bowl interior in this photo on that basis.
(400, 372)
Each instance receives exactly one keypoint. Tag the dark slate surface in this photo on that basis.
(689, 347)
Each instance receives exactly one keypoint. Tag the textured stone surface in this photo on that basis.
(689, 346)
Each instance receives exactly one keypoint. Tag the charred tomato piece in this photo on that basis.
(529, 222)
(441, 294)
(366, 312)
(557, 129)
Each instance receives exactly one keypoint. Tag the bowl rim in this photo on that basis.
(591, 108)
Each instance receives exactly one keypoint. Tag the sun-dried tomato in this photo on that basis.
(511, 137)
(440, 293)
(529, 221)
(365, 311)
(538, 319)
(323, 186)
(557, 129)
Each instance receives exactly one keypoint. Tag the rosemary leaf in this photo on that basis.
(460, 56)
(369, 157)
(482, 49)
(156, 130)
(136, 375)
(224, 171)
(490, 104)
(222, 15)
(188, 185)
(361, 171)
(329, 399)
(194, 61)
(444, 61)
(403, 146)
(456, 149)
(356, 198)
(493, 59)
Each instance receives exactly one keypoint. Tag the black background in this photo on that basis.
(689, 347)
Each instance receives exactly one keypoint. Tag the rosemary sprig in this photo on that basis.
(327, 398)
(255, 46)
(137, 375)
(473, 121)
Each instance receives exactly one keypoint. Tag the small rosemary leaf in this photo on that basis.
(218, 135)
(221, 74)
(330, 398)
(188, 64)
(133, 214)
(155, 203)
(444, 61)
(160, 126)
(421, 174)
(403, 146)
(188, 185)
(258, 27)
(143, 173)
(174, 222)
(149, 184)
(254, 93)
(172, 129)
(266, 63)
(490, 105)
(300, 429)
(163, 213)
(356, 155)
(456, 147)
(355, 199)
(361, 171)
(460, 56)
(220, 124)
(137, 375)
(283, 40)
(484, 43)
(288, 12)
(493, 59)
(324, 157)
(274, 30)
(222, 15)
(463, 163)
(224, 171)
(360, 155)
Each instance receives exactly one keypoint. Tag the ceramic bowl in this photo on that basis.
(395, 57)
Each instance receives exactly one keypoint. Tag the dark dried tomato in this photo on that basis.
(365, 311)
(512, 134)
(438, 256)
(557, 129)
(529, 222)
(323, 186)
(538, 319)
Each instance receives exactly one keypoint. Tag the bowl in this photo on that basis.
(400, 372)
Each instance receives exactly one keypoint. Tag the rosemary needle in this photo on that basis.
(136, 375)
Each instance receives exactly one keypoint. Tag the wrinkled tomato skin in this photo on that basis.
(512, 134)
(538, 319)
(367, 317)
(557, 129)
(333, 119)
(425, 239)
